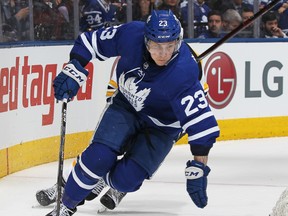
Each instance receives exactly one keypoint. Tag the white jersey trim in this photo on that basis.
(95, 48)
(203, 133)
(158, 123)
(80, 183)
(86, 170)
(88, 45)
(198, 119)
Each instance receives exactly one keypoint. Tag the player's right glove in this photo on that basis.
(196, 174)
(69, 80)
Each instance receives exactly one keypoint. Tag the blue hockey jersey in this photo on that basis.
(168, 97)
(95, 14)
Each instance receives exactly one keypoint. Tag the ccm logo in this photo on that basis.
(73, 74)
(193, 173)
(71, 71)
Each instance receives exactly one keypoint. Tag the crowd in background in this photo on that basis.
(39, 20)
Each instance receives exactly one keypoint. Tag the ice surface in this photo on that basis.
(246, 179)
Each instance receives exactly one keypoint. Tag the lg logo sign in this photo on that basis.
(222, 80)
(220, 71)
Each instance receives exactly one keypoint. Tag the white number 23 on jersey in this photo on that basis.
(108, 33)
(189, 100)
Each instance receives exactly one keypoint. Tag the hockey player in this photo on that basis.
(48, 196)
(159, 96)
(96, 14)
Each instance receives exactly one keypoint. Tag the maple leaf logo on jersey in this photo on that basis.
(129, 89)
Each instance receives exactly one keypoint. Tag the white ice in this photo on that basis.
(246, 179)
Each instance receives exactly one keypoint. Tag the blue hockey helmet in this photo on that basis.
(163, 26)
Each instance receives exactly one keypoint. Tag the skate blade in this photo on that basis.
(102, 210)
(37, 205)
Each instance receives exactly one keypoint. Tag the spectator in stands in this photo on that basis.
(50, 23)
(96, 14)
(121, 14)
(281, 8)
(231, 20)
(215, 4)
(283, 15)
(201, 10)
(251, 2)
(263, 3)
(270, 28)
(157, 3)
(8, 34)
(247, 13)
(141, 9)
(237, 5)
(65, 8)
(15, 20)
(174, 6)
(214, 25)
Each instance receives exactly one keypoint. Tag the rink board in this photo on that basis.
(257, 106)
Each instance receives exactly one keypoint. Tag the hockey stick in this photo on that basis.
(61, 152)
(236, 30)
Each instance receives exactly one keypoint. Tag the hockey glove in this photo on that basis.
(196, 174)
(69, 80)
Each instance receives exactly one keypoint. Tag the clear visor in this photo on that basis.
(167, 47)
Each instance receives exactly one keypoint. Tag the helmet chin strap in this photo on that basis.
(179, 42)
(146, 40)
(172, 57)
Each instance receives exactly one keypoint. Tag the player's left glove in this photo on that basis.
(196, 174)
(69, 80)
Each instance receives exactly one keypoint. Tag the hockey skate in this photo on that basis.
(48, 196)
(64, 211)
(112, 198)
(97, 190)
